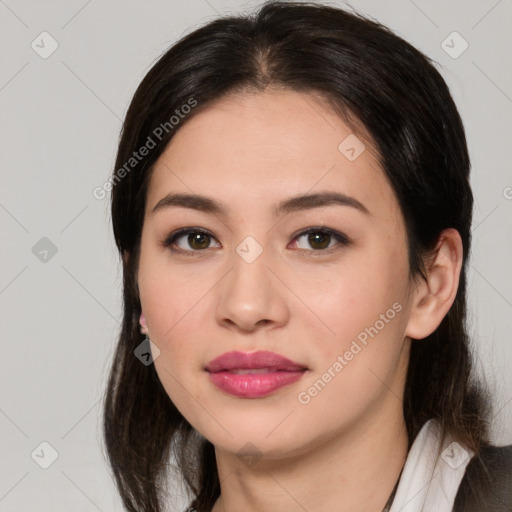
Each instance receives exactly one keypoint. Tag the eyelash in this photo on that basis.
(342, 240)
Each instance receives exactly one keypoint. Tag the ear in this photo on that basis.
(143, 325)
(434, 298)
(142, 321)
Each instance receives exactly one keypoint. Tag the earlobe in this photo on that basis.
(143, 325)
(434, 298)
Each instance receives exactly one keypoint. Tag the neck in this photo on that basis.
(354, 471)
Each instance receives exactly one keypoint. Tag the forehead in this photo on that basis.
(262, 147)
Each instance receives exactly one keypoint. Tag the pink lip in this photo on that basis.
(281, 372)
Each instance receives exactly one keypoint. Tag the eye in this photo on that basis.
(320, 239)
(197, 239)
(190, 241)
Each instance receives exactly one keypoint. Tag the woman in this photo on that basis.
(292, 206)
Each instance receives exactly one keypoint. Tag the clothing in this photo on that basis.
(487, 484)
(429, 483)
(456, 481)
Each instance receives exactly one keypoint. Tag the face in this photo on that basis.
(249, 277)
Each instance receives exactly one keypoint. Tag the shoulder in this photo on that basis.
(487, 482)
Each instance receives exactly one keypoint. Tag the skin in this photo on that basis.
(345, 448)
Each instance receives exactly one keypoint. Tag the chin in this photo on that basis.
(262, 439)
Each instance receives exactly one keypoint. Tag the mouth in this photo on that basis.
(253, 375)
(261, 361)
(256, 371)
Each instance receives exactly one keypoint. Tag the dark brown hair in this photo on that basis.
(367, 74)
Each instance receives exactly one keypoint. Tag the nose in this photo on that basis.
(250, 297)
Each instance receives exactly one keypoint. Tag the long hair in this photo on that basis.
(368, 75)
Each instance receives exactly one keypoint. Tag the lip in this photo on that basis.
(232, 373)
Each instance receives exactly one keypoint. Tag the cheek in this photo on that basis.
(169, 295)
(359, 362)
(352, 296)
(173, 312)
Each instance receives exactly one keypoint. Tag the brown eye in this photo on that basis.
(198, 240)
(189, 240)
(321, 239)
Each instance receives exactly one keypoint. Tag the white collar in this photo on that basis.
(428, 484)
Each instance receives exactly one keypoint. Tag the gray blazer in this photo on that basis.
(487, 482)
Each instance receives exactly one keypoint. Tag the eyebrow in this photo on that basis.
(292, 204)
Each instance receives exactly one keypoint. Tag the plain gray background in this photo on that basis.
(61, 118)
